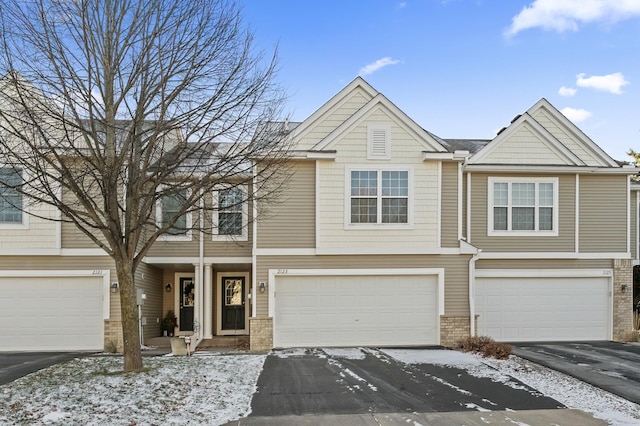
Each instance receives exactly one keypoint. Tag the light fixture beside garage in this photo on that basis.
(624, 288)
(261, 286)
(168, 288)
(114, 287)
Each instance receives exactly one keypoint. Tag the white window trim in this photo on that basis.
(189, 222)
(387, 148)
(512, 233)
(347, 198)
(215, 219)
(24, 223)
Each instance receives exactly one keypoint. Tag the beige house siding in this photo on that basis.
(456, 277)
(334, 230)
(290, 222)
(633, 214)
(524, 139)
(449, 205)
(333, 118)
(544, 264)
(603, 213)
(564, 242)
(39, 234)
(567, 138)
(149, 279)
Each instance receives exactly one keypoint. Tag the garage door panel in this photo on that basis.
(51, 313)
(354, 310)
(537, 309)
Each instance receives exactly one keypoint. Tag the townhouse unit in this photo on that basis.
(386, 235)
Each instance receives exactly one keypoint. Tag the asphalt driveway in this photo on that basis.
(315, 381)
(14, 365)
(614, 367)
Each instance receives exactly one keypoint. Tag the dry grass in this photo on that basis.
(485, 346)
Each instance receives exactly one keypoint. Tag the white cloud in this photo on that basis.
(567, 91)
(565, 15)
(375, 66)
(402, 4)
(575, 114)
(612, 83)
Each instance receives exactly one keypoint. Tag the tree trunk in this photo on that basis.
(129, 313)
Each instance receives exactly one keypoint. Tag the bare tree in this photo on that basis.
(108, 107)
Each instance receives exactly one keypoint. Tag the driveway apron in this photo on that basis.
(614, 367)
(317, 383)
(14, 365)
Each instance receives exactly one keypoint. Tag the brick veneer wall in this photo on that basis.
(260, 334)
(622, 301)
(113, 333)
(454, 328)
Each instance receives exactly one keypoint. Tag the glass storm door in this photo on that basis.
(187, 298)
(233, 303)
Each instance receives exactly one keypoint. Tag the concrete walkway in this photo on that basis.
(564, 417)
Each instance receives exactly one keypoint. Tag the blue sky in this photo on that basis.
(465, 68)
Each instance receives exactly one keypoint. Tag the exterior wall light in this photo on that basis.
(262, 286)
(168, 288)
(114, 287)
(624, 288)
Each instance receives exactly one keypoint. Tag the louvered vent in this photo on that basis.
(379, 142)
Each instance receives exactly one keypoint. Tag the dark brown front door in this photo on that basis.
(233, 303)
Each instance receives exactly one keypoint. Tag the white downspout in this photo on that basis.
(472, 293)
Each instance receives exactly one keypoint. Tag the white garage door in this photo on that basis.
(543, 309)
(51, 314)
(356, 310)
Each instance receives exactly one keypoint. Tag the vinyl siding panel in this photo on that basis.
(544, 264)
(290, 222)
(40, 233)
(449, 205)
(334, 229)
(633, 212)
(149, 279)
(564, 242)
(72, 237)
(456, 273)
(524, 139)
(603, 213)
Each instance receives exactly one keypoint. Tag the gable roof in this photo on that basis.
(528, 142)
(425, 138)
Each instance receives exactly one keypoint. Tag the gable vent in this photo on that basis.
(379, 143)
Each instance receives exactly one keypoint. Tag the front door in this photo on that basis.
(187, 296)
(233, 303)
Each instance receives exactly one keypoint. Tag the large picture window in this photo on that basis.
(379, 196)
(521, 206)
(230, 214)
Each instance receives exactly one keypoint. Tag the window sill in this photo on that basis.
(522, 233)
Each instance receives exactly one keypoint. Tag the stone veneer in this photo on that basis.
(260, 334)
(113, 333)
(622, 301)
(454, 328)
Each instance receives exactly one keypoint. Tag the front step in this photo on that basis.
(215, 341)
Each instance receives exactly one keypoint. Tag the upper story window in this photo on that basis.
(523, 206)
(11, 205)
(230, 214)
(379, 196)
(167, 208)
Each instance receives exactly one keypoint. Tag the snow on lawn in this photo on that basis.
(210, 390)
(571, 392)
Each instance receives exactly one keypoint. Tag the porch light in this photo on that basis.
(261, 286)
(624, 288)
(114, 287)
(168, 288)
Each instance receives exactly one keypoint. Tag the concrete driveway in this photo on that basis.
(316, 381)
(614, 367)
(17, 364)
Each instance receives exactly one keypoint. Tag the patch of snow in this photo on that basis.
(477, 407)
(287, 353)
(451, 385)
(345, 353)
(444, 357)
(173, 390)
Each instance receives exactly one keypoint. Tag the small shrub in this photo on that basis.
(496, 350)
(473, 343)
(111, 347)
(485, 346)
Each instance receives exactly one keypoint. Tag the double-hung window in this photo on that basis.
(230, 214)
(523, 206)
(379, 196)
(168, 207)
(11, 206)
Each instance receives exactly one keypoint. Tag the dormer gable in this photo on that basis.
(378, 135)
(542, 136)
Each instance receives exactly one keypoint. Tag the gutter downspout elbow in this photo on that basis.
(472, 284)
